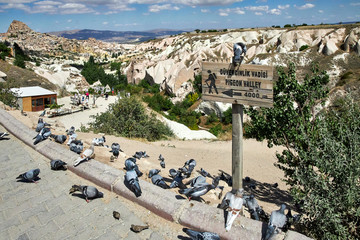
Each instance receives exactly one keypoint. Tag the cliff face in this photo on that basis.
(172, 61)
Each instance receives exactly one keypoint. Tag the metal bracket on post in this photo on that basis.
(237, 146)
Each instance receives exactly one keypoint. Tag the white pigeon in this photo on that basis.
(86, 155)
(99, 141)
(72, 138)
(233, 203)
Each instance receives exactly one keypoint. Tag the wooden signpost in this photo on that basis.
(240, 85)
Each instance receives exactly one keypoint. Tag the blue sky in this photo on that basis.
(138, 15)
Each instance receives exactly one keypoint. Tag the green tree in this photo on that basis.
(128, 118)
(321, 157)
(4, 51)
(7, 96)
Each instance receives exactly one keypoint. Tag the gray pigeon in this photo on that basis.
(177, 182)
(162, 164)
(41, 124)
(161, 158)
(277, 222)
(188, 167)
(115, 149)
(132, 180)
(30, 175)
(42, 114)
(89, 192)
(173, 173)
(141, 154)
(3, 134)
(153, 172)
(78, 148)
(57, 164)
(42, 135)
(254, 209)
(159, 181)
(197, 191)
(204, 173)
(72, 138)
(196, 235)
(59, 138)
(130, 164)
(196, 181)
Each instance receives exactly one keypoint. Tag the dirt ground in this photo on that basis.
(209, 154)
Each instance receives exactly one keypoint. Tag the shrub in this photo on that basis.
(127, 118)
(303, 47)
(7, 96)
(216, 130)
(158, 102)
(227, 116)
(287, 25)
(212, 118)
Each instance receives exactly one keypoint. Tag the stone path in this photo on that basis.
(46, 210)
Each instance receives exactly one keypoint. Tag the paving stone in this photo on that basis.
(40, 232)
(15, 220)
(45, 217)
(34, 211)
(23, 236)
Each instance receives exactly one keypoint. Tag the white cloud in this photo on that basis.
(204, 10)
(321, 11)
(74, 8)
(355, 4)
(19, 6)
(305, 6)
(274, 11)
(47, 3)
(257, 8)
(206, 2)
(226, 11)
(283, 7)
(105, 23)
(17, 1)
(158, 8)
(258, 13)
(69, 20)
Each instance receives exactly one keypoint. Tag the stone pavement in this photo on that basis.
(46, 210)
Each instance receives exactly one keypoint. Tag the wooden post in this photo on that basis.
(237, 146)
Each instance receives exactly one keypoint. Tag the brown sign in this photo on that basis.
(245, 84)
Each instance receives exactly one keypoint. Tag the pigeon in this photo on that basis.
(57, 164)
(42, 114)
(291, 219)
(42, 135)
(162, 164)
(138, 228)
(3, 134)
(89, 192)
(277, 222)
(275, 185)
(177, 182)
(70, 131)
(30, 175)
(196, 181)
(239, 48)
(247, 179)
(252, 186)
(116, 215)
(59, 138)
(232, 203)
(161, 158)
(72, 138)
(173, 172)
(85, 156)
(153, 172)
(254, 209)
(41, 124)
(99, 141)
(130, 164)
(159, 181)
(141, 154)
(198, 190)
(204, 173)
(132, 179)
(226, 178)
(115, 149)
(78, 148)
(196, 235)
(188, 167)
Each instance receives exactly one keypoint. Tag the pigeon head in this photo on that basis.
(40, 120)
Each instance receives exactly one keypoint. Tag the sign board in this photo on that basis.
(240, 84)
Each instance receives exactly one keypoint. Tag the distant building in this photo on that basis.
(32, 99)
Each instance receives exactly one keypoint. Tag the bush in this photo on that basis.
(303, 47)
(212, 118)
(227, 118)
(7, 96)
(127, 118)
(216, 130)
(158, 102)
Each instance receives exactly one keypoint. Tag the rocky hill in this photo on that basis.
(172, 61)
